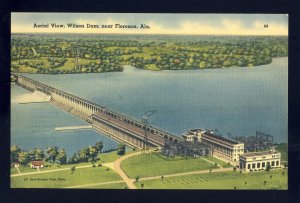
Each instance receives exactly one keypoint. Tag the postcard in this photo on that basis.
(149, 101)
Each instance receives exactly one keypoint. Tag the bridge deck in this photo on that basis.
(139, 131)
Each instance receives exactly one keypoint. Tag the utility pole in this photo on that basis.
(76, 56)
(145, 121)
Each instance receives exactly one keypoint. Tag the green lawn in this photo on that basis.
(13, 171)
(65, 178)
(69, 65)
(152, 165)
(218, 161)
(226, 180)
(111, 156)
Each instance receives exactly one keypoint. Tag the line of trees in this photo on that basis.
(55, 155)
(51, 154)
(88, 154)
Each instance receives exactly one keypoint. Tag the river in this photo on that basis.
(237, 100)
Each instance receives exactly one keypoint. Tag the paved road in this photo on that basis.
(95, 184)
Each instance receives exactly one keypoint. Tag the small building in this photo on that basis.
(37, 164)
(16, 165)
(259, 160)
(188, 137)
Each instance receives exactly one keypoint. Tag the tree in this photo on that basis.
(202, 64)
(121, 149)
(268, 168)
(24, 158)
(62, 156)
(14, 153)
(137, 178)
(99, 146)
(162, 177)
(72, 169)
(142, 185)
(73, 159)
(37, 154)
(226, 63)
(52, 153)
(84, 154)
(93, 152)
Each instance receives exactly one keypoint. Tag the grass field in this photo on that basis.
(225, 180)
(219, 162)
(152, 165)
(111, 156)
(65, 178)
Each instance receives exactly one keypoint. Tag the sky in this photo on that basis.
(196, 24)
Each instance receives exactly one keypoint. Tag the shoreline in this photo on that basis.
(156, 70)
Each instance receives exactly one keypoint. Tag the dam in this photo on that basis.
(113, 124)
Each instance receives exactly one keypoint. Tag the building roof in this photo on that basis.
(219, 138)
(37, 163)
(188, 135)
(263, 153)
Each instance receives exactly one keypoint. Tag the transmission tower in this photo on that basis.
(76, 55)
(145, 121)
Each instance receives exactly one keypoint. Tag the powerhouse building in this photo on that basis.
(222, 147)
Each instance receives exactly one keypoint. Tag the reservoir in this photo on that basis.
(239, 101)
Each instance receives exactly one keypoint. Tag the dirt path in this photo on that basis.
(211, 162)
(33, 50)
(18, 170)
(116, 166)
(49, 171)
(96, 184)
(187, 173)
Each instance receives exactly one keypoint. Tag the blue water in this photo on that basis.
(236, 100)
